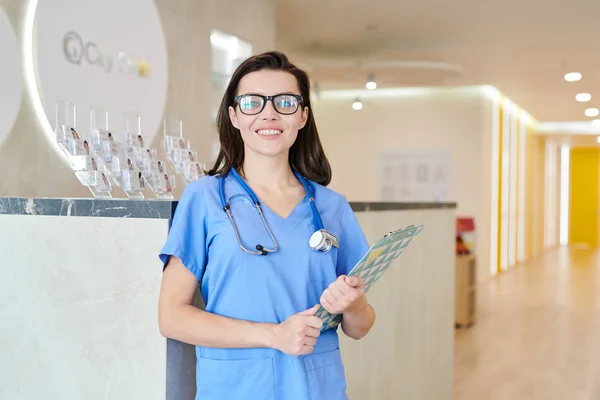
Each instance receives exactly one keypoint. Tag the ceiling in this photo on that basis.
(524, 48)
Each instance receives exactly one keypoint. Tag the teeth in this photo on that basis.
(268, 132)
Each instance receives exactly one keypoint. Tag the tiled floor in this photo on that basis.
(537, 334)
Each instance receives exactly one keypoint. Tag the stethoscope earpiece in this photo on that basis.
(262, 250)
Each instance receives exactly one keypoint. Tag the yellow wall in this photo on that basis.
(583, 209)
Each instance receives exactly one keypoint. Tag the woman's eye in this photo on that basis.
(251, 104)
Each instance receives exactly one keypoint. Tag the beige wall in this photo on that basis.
(409, 353)
(539, 195)
(29, 166)
(460, 122)
(353, 140)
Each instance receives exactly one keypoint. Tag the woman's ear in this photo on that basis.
(233, 118)
(304, 117)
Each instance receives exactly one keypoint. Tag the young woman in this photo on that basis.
(268, 244)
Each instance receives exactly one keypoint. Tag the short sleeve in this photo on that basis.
(187, 234)
(352, 242)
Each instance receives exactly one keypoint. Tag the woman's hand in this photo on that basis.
(345, 294)
(298, 334)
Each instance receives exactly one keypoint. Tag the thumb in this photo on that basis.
(352, 281)
(310, 311)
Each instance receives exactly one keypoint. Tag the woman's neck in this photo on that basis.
(273, 172)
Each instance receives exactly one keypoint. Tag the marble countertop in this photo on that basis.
(149, 208)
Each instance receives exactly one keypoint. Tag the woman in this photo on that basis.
(258, 337)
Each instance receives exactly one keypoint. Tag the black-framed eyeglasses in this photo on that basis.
(285, 103)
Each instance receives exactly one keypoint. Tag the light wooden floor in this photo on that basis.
(537, 335)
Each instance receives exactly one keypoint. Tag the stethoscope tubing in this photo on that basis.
(227, 208)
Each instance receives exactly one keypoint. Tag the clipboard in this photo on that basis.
(373, 265)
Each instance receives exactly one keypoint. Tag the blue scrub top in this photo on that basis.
(264, 288)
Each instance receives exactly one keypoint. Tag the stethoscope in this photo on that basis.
(320, 240)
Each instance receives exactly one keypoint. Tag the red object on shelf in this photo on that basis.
(465, 235)
(465, 224)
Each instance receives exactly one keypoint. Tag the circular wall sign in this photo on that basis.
(107, 54)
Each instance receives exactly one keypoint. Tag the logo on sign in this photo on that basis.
(77, 51)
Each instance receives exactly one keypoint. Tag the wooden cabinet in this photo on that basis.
(465, 299)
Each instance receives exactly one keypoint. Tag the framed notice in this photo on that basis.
(415, 176)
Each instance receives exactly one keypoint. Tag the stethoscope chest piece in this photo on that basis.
(322, 240)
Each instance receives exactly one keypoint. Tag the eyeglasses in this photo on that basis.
(252, 104)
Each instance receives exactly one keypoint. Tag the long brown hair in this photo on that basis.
(306, 154)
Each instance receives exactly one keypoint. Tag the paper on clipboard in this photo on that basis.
(374, 263)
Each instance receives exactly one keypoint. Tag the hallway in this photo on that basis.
(537, 333)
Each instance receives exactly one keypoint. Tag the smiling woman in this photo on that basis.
(248, 89)
(257, 121)
(258, 336)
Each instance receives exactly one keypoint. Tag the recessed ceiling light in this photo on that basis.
(572, 76)
(357, 105)
(583, 97)
(371, 84)
(598, 139)
(592, 112)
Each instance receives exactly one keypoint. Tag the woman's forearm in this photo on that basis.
(188, 324)
(178, 319)
(356, 323)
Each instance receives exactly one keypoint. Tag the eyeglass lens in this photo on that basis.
(283, 104)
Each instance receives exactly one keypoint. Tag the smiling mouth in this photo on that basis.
(269, 132)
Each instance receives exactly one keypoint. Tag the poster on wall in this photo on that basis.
(11, 86)
(108, 54)
(415, 176)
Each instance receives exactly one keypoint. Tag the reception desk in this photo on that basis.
(79, 289)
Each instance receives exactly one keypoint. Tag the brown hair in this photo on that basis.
(306, 154)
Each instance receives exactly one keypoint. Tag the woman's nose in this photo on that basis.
(269, 111)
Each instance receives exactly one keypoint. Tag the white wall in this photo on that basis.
(29, 166)
(552, 195)
(79, 317)
(458, 121)
(487, 225)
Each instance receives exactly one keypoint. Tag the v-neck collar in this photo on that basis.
(298, 213)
